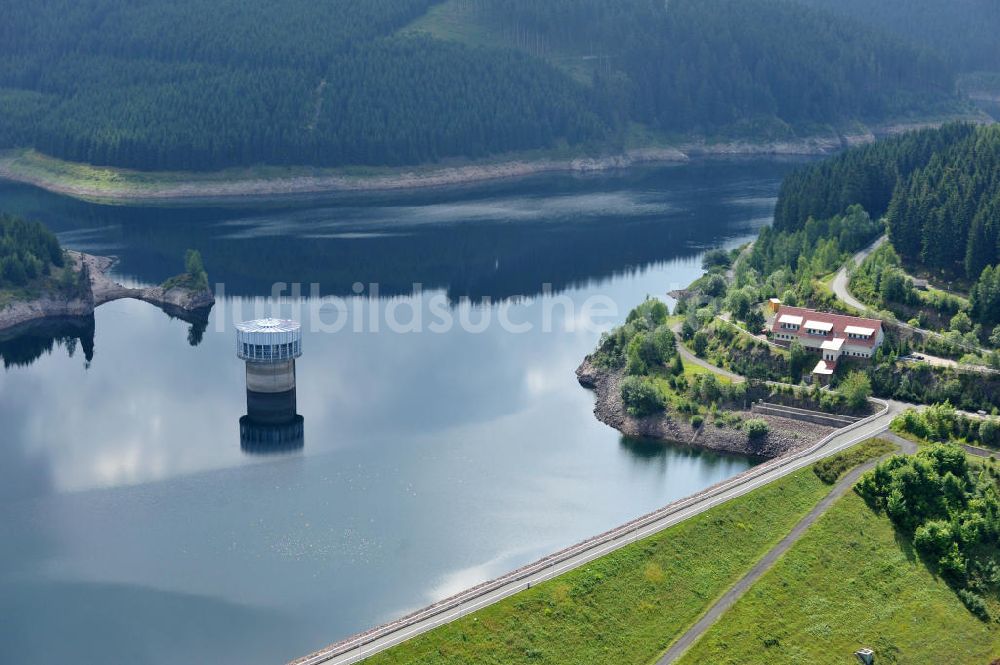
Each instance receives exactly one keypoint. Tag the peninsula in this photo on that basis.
(39, 280)
(649, 384)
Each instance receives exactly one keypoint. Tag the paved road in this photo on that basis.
(839, 286)
(972, 450)
(840, 280)
(936, 361)
(767, 562)
(361, 646)
(980, 452)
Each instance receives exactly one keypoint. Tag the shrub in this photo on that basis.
(676, 366)
(798, 360)
(912, 422)
(636, 363)
(952, 565)
(941, 420)
(989, 432)
(831, 468)
(755, 321)
(961, 323)
(715, 258)
(856, 389)
(714, 285)
(697, 421)
(949, 509)
(975, 603)
(699, 343)
(832, 402)
(934, 538)
(648, 315)
(641, 397)
(642, 342)
(756, 428)
(995, 337)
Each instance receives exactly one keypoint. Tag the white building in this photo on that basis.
(834, 336)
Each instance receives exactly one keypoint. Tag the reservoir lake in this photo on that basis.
(138, 524)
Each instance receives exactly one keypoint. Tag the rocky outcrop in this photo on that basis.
(180, 302)
(610, 409)
(45, 307)
(813, 145)
(177, 301)
(185, 300)
(784, 436)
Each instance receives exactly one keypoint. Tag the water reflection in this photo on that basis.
(498, 241)
(643, 450)
(272, 425)
(651, 452)
(434, 460)
(261, 438)
(21, 346)
(198, 323)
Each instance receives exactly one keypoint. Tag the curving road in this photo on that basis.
(359, 647)
(840, 280)
(356, 648)
(840, 289)
(689, 357)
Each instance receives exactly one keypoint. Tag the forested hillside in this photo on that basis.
(205, 84)
(963, 31)
(939, 191)
(866, 175)
(947, 214)
(696, 64)
(199, 84)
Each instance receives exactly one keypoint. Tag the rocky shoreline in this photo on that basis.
(179, 302)
(138, 187)
(785, 436)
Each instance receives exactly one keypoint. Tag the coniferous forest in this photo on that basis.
(699, 65)
(207, 84)
(27, 251)
(962, 31)
(939, 190)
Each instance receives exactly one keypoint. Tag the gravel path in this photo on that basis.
(689, 357)
(730, 597)
(358, 647)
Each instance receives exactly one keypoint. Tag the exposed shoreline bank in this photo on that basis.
(178, 302)
(121, 186)
(785, 436)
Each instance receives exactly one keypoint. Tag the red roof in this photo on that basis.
(839, 322)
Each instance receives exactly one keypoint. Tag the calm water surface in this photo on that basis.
(136, 527)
